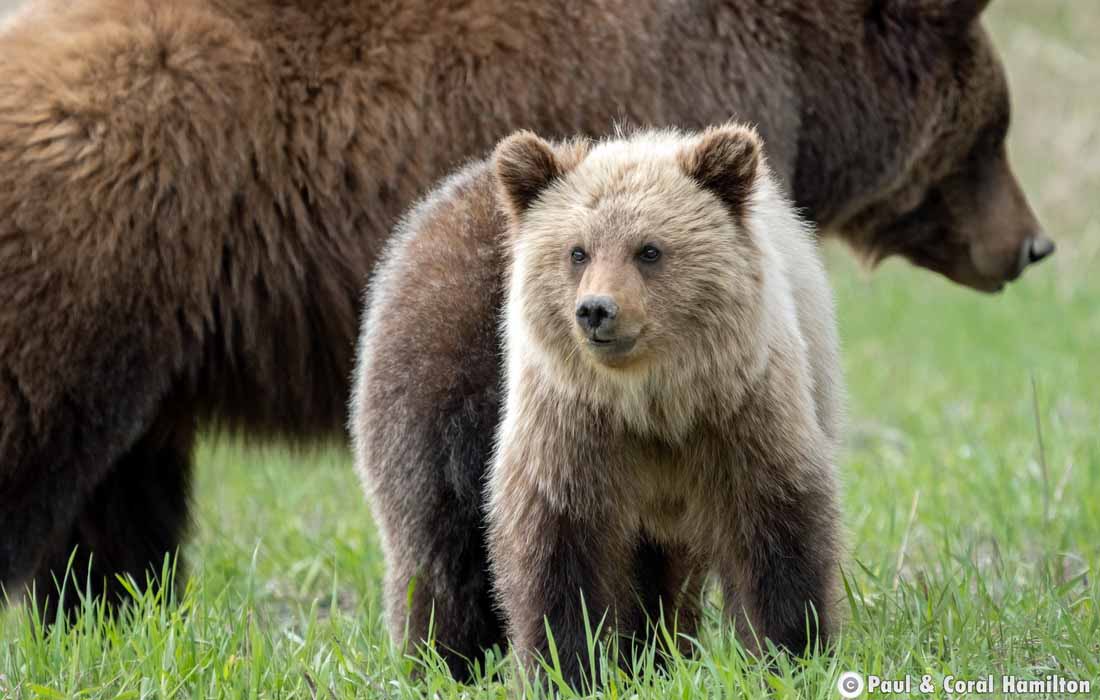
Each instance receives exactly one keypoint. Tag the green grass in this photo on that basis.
(973, 545)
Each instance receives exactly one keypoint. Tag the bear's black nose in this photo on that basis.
(595, 313)
(1038, 248)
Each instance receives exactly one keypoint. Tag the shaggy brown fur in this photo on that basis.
(193, 193)
(681, 417)
(880, 118)
(428, 399)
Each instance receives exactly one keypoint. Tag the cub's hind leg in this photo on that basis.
(669, 581)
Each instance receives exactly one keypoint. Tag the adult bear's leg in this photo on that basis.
(133, 519)
(113, 248)
(68, 421)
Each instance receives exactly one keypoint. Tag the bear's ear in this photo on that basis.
(725, 161)
(952, 15)
(525, 166)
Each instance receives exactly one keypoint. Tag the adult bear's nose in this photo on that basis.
(597, 313)
(1038, 247)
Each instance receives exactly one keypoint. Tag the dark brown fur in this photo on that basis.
(192, 195)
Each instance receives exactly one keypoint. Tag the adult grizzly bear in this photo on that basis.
(192, 195)
(666, 314)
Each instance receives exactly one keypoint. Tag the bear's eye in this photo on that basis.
(578, 255)
(649, 254)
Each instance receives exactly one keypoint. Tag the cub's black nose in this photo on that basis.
(596, 313)
(1038, 248)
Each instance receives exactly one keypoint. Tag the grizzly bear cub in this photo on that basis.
(671, 382)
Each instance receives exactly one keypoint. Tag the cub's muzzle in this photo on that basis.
(598, 317)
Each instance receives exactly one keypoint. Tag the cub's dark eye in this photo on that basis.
(578, 255)
(649, 254)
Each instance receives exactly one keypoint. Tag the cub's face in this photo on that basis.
(955, 206)
(628, 255)
(612, 277)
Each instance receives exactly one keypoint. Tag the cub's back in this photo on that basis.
(429, 340)
(795, 243)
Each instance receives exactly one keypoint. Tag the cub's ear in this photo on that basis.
(525, 165)
(725, 161)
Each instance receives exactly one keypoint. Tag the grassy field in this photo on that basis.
(972, 487)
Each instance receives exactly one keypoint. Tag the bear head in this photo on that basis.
(924, 106)
(630, 253)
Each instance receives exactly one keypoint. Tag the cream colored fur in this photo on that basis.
(713, 437)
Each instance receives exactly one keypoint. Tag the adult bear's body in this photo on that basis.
(192, 195)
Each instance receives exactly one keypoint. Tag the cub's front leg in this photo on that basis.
(780, 569)
(557, 548)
